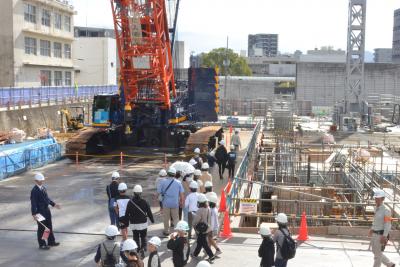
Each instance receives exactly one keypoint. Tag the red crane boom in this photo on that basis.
(144, 51)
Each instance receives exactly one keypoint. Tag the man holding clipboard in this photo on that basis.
(41, 213)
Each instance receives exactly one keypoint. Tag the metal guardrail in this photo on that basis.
(242, 170)
(12, 97)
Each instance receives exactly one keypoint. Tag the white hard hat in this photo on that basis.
(201, 198)
(193, 185)
(182, 226)
(192, 162)
(171, 171)
(137, 189)
(212, 197)
(111, 231)
(205, 166)
(222, 142)
(281, 218)
(197, 150)
(39, 177)
(155, 240)
(203, 264)
(163, 173)
(115, 175)
(122, 187)
(378, 193)
(129, 244)
(208, 184)
(197, 172)
(232, 147)
(264, 230)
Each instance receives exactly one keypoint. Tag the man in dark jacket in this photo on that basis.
(112, 193)
(40, 202)
(137, 211)
(267, 249)
(222, 156)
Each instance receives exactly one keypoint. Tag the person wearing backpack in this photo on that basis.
(129, 254)
(267, 248)
(232, 155)
(154, 259)
(108, 252)
(179, 244)
(285, 245)
(121, 201)
(202, 225)
(112, 193)
(138, 211)
(221, 156)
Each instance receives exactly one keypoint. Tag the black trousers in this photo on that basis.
(140, 238)
(231, 169)
(221, 169)
(40, 232)
(202, 243)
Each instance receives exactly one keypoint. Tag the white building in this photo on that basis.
(95, 61)
(36, 38)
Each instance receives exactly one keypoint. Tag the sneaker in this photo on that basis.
(142, 254)
(193, 256)
(218, 251)
(55, 244)
(44, 247)
(211, 259)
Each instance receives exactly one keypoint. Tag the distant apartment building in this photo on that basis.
(324, 54)
(383, 55)
(95, 61)
(196, 61)
(179, 55)
(93, 32)
(36, 43)
(396, 37)
(262, 45)
(279, 66)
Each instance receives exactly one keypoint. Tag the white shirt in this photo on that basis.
(191, 202)
(214, 219)
(122, 204)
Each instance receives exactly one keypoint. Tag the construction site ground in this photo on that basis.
(79, 225)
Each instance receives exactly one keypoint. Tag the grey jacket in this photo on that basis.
(278, 238)
(203, 215)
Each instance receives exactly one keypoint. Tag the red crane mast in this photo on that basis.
(144, 51)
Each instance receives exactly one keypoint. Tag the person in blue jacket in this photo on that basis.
(40, 202)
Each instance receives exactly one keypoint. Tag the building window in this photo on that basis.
(68, 78)
(67, 23)
(45, 48)
(57, 50)
(58, 78)
(57, 21)
(30, 13)
(46, 17)
(45, 77)
(67, 50)
(30, 46)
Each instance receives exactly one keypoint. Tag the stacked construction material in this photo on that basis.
(204, 93)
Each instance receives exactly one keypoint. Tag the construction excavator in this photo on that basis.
(149, 110)
(74, 123)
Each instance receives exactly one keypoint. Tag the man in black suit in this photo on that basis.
(40, 205)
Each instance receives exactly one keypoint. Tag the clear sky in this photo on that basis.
(301, 24)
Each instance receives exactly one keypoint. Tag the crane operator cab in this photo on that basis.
(107, 111)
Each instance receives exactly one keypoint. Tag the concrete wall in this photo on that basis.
(95, 60)
(323, 83)
(37, 117)
(6, 44)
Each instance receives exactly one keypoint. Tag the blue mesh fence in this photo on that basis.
(15, 159)
(17, 96)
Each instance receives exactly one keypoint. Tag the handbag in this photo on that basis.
(202, 227)
(144, 213)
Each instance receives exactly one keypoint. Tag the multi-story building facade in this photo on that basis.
(383, 55)
(36, 43)
(263, 45)
(396, 37)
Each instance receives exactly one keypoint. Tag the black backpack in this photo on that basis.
(109, 261)
(288, 248)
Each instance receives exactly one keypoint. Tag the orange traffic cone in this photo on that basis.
(226, 232)
(228, 186)
(222, 203)
(303, 232)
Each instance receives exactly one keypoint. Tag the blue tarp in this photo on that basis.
(16, 158)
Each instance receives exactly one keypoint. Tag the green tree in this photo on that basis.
(216, 57)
